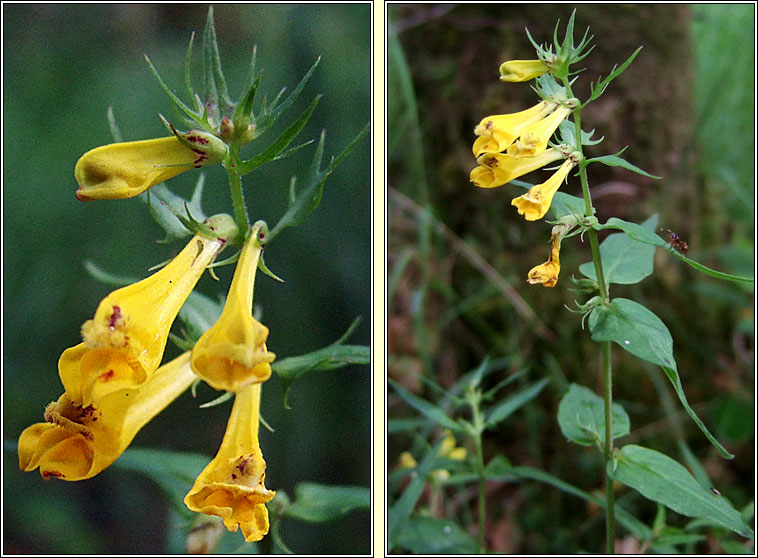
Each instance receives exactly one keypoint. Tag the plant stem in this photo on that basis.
(610, 515)
(482, 495)
(238, 201)
(610, 512)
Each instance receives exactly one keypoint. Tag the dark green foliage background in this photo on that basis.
(63, 66)
(685, 108)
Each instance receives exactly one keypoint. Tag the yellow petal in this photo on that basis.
(535, 203)
(547, 273)
(534, 139)
(77, 442)
(124, 342)
(497, 169)
(232, 485)
(521, 70)
(497, 132)
(123, 170)
(232, 353)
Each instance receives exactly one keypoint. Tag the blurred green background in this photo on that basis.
(64, 65)
(459, 255)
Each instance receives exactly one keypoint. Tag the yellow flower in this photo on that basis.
(124, 342)
(547, 273)
(534, 204)
(232, 485)
(232, 353)
(78, 441)
(521, 70)
(447, 450)
(496, 169)
(497, 132)
(534, 139)
(123, 170)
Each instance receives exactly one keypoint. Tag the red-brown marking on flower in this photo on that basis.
(105, 376)
(116, 317)
(47, 474)
(197, 139)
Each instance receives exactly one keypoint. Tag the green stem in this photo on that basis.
(610, 512)
(482, 495)
(238, 201)
(610, 515)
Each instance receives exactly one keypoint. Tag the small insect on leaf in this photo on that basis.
(676, 243)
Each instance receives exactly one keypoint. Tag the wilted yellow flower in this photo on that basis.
(547, 273)
(123, 170)
(497, 132)
(124, 342)
(232, 353)
(521, 70)
(496, 169)
(535, 203)
(232, 485)
(78, 441)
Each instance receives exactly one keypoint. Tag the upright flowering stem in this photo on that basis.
(610, 516)
(235, 187)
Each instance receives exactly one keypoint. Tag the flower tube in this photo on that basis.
(521, 70)
(534, 139)
(497, 132)
(232, 485)
(123, 170)
(232, 353)
(496, 169)
(78, 441)
(124, 342)
(535, 203)
(547, 273)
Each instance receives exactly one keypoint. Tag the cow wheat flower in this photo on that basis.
(496, 133)
(232, 485)
(535, 203)
(521, 70)
(123, 343)
(547, 273)
(496, 169)
(78, 441)
(232, 353)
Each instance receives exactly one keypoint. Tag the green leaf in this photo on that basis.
(177, 101)
(509, 405)
(174, 472)
(597, 90)
(637, 232)
(426, 408)
(616, 161)
(276, 111)
(640, 332)
(210, 48)
(663, 480)
(284, 139)
(625, 261)
(319, 502)
(198, 313)
(432, 535)
(107, 277)
(581, 417)
(309, 198)
(167, 207)
(399, 512)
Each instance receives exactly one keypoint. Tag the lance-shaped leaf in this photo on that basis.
(512, 403)
(599, 89)
(169, 209)
(581, 416)
(616, 161)
(640, 332)
(625, 261)
(284, 139)
(318, 503)
(662, 479)
(639, 233)
(432, 535)
(430, 410)
(309, 198)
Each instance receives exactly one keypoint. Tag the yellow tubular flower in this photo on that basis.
(123, 170)
(77, 442)
(124, 342)
(521, 70)
(534, 204)
(496, 169)
(547, 273)
(497, 132)
(534, 139)
(232, 353)
(232, 485)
